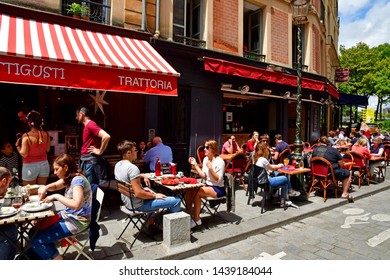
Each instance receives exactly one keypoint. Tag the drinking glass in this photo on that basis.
(286, 161)
(17, 202)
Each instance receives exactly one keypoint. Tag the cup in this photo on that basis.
(173, 169)
(1, 202)
(180, 174)
(17, 202)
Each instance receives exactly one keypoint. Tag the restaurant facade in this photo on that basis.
(151, 72)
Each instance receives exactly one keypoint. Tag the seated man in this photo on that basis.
(280, 147)
(159, 150)
(324, 150)
(230, 146)
(144, 200)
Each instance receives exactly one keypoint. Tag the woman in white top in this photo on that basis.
(212, 172)
(261, 159)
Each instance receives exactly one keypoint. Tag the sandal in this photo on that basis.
(349, 197)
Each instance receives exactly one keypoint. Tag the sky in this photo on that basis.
(365, 21)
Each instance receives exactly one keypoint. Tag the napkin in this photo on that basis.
(188, 180)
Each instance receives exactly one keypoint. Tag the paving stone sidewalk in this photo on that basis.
(246, 221)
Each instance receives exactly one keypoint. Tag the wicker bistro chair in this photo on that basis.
(361, 168)
(236, 167)
(139, 219)
(322, 176)
(387, 154)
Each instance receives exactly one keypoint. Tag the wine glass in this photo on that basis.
(286, 161)
(17, 202)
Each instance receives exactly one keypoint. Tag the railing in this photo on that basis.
(304, 68)
(189, 41)
(254, 56)
(97, 11)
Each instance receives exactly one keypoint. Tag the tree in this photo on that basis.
(369, 72)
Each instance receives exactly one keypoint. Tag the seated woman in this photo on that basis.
(377, 150)
(144, 200)
(250, 146)
(212, 172)
(361, 147)
(261, 160)
(78, 205)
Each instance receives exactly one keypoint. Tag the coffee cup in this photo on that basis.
(180, 174)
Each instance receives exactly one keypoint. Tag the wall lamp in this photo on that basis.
(226, 86)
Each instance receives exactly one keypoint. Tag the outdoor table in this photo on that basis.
(23, 221)
(301, 184)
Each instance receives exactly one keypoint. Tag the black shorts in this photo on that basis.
(341, 173)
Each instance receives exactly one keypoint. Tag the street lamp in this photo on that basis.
(300, 10)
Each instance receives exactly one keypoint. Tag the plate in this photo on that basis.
(7, 211)
(32, 207)
(170, 182)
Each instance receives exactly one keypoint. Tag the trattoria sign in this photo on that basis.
(21, 70)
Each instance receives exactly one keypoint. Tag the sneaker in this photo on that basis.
(194, 224)
(294, 193)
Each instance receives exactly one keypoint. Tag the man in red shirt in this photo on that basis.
(95, 141)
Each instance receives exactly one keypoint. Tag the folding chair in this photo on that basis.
(78, 240)
(139, 219)
(322, 176)
(212, 204)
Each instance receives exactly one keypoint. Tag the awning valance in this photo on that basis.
(251, 72)
(41, 53)
(353, 100)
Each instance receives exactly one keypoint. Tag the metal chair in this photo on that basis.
(79, 241)
(360, 167)
(212, 204)
(322, 176)
(139, 219)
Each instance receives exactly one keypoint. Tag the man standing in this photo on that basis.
(324, 150)
(159, 150)
(7, 250)
(95, 141)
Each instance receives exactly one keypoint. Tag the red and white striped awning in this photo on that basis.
(42, 53)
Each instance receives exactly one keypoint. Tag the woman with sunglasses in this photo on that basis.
(212, 172)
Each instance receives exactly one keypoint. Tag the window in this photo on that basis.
(188, 21)
(98, 10)
(253, 31)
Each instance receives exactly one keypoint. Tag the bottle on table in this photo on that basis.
(158, 167)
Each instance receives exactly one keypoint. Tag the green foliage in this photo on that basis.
(74, 9)
(77, 9)
(369, 71)
(385, 126)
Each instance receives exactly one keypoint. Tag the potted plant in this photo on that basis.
(75, 9)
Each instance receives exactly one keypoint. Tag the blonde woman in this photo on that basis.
(212, 172)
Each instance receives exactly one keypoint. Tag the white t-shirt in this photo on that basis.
(125, 171)
(219, 167)
(263, 162)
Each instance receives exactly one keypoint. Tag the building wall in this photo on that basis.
(279, 37)
(225, 26)
(133, 15)
(316, 50)
(53, 6)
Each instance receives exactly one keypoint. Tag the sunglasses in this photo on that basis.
(207, 147)
(266, 141)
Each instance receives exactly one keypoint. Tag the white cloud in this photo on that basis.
(364, 21)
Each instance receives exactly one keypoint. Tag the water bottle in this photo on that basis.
(158, 167)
